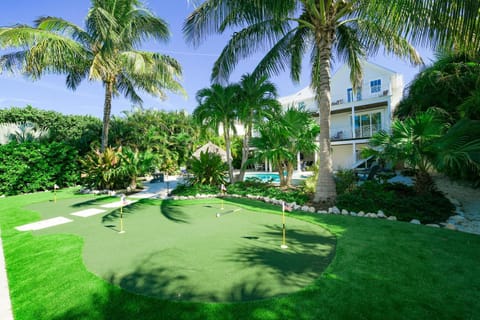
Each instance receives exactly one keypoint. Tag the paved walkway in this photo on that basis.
(152, 190)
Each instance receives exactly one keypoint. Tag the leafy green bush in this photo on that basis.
(397, 199)
(192, 190)
(247, 187)
(346, 181)
(208, 169)
(33, 166)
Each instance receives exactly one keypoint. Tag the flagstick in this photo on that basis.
(223, 195)
(284, 244)
(121, 215)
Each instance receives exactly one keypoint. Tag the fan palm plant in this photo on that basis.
(349, 30)
(426, 142)
(106, 51)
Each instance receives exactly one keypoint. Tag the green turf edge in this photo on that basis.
(382, 269)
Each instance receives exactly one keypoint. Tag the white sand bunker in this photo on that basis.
(87, 213)
(43, 224)
(117, 204)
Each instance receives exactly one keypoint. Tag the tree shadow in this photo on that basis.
(91, 202)
(126, 210)
(173, 212)
(308, 253)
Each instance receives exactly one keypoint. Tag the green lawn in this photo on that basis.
(381, 269)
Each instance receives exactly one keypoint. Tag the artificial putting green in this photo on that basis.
(183, 251)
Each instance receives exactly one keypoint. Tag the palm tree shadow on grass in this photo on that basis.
(127, 210)
(173, 212)
(307, 253)
(98, 200)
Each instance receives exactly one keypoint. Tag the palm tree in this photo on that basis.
(217, 106)
(257, 103)
(106, 51)
(349, 30)
(281, 138)
(411, 141)
(425, 142)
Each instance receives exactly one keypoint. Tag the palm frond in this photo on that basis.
(65, 28)
(244, 43)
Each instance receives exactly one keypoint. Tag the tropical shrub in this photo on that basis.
(268, 190)
(397, 199)
(194, 189)
(79, 131)
(101, 170)
(135, 164)
(208, 169)
(33, 166)
(243, 188)
(346, 181)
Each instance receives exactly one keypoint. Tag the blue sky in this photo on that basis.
(50, 93)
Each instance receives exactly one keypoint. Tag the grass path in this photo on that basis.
(381, 270)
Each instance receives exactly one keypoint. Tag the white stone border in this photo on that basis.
(333, 210)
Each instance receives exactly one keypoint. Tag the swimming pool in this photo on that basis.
(265, 177)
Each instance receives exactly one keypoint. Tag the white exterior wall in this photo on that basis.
(383, 101)
(342, 157)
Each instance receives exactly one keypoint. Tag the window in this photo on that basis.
(367, 124)
(349, 95)
(375, 86)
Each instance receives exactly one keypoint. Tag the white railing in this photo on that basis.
(341, 100)
(345, 133)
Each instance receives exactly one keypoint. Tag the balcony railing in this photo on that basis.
(363, 96)
(345, 133)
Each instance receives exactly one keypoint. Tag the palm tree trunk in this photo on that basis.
(280, 169)
(245, 150)
(325, 189)
(107, 108)
(289, 174)
(423, 182)
(229, 151)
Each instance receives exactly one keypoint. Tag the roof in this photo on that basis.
(211, 148)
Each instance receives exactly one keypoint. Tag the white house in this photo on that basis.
(355, 114)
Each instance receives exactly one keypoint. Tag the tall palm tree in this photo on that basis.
(217, 106)
(281, 138)
(348, 30)
(106, 51)
(257, 103)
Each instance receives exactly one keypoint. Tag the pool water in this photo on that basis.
(265, 177)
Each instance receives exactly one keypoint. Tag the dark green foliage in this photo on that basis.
(194, 189)
(451, 84)
(32, 166)
(243, 188)
(115, 169)
(268, 190)
(345, 181)
(209, 169)
(172, 136)
(397, 199)
(75, 130)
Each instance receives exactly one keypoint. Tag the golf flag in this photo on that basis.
(223, 188)
(284, 229)
(286, 207)
(123, 199)
(55, 186)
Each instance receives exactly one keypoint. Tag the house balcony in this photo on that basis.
(361, 132)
